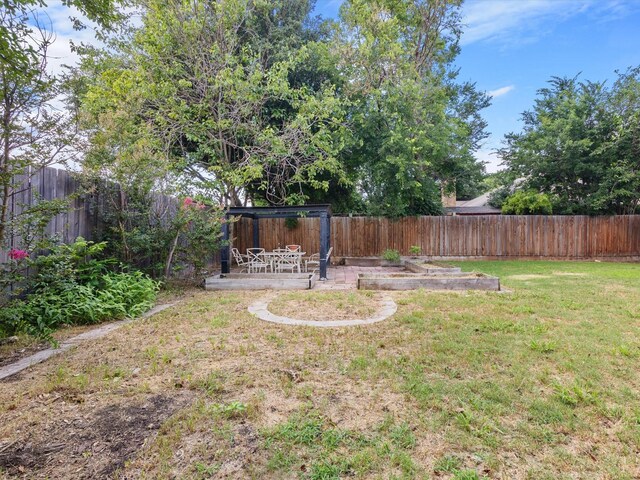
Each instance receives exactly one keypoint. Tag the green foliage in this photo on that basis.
(284, 108)
(467, 475)
(72, 263)
(156, 233)
(291, 223)
(20, 16)
(413, 126)
(499, 196)
(527, 203)
(29, 226)
(137, 229)
(231, 410)
(233, 121)
(197, 233)
(415, 250)
(72, 287)
(580, 145)
(35, 132)
(306, 439)
(447, 464)
(391, 255)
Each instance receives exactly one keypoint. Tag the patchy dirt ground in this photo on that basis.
(87, 441)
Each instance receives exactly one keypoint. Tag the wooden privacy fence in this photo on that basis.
(494, 236)
(491, 236)
(82, 219)
(50, 184)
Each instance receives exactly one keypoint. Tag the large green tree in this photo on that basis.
(414, 127)
(34, 132)
(212, 89)
(580, 145)
(259, 100)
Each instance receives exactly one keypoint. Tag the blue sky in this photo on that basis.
(510, 48)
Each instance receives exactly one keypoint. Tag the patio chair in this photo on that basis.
(289, 261)
(256, 260)
(241, 260)
(314, 260)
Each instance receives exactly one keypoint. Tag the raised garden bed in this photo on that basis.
(423, 266)
(428, 281)
(261, 281)
(415, 265)
(370, 262)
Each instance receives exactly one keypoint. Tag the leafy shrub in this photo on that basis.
(527, 203)
(76, 263)
(498, 196)
(199, 227)
(291, 223)
(391, 255)
(73, 287)
(415, 250)
(29, 225)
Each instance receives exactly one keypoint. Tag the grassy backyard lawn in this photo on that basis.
(539, 383)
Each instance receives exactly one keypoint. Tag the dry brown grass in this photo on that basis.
(541, 383)
(15, 348)
(330, 305)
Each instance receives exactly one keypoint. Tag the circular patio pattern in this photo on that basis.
(260, 308)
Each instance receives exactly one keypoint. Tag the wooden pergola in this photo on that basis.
(303, 211)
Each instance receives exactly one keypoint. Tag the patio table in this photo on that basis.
(275, 256)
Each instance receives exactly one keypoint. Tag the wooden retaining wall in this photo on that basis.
(490, 236)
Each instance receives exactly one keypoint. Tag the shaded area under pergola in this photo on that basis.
(256, 213)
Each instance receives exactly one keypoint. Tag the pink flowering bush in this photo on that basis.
(17, 254)
(197, 236)
(12, 275)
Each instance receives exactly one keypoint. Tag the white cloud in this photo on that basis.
(498, 92)
(56, 18)
(517, 21)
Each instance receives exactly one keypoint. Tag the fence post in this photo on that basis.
(325, 239)
(224, 251)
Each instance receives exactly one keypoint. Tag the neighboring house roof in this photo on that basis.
(481, 201)
(475, 206)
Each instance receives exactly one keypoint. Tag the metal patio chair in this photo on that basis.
(314, 260)
(257, 260)
(241, 260)
(289, 261)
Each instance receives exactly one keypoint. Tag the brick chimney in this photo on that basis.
(448, 199)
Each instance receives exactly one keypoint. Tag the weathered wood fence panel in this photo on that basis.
(50, 184)
(533, 236)
(83, 217)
